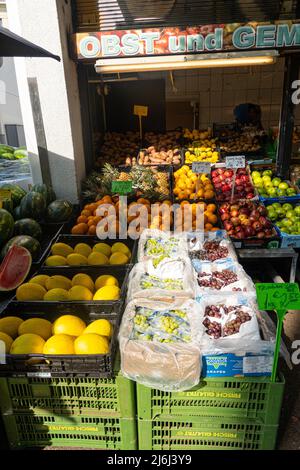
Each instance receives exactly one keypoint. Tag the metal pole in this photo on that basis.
(286, 125)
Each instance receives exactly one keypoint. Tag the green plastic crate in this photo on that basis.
(205, 433)
(91, 432)
(254, 398)
(68, 396)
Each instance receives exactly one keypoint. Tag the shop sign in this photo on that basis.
(195, 39)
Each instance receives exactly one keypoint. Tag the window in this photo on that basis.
(15, 135)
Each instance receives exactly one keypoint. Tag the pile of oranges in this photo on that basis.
(88, 219)
(190, 186)
(196, 216)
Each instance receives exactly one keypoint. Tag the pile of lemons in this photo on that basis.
(60, 288)
(68, 334)
(83, 254)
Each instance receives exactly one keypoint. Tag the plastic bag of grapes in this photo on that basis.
(157, 246)
(160, 343)
(172, 278)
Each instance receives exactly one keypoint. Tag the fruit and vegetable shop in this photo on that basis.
(160, 310)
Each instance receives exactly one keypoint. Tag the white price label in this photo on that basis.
(201, 167)
(41, 375)
(236, 161)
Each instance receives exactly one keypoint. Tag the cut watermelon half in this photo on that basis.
(14, 268)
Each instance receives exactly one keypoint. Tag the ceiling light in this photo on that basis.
(177, 62)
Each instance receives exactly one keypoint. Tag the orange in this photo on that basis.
(81, 219)
(212, 218)
(90, 222)
(107, 199)
(193, 196)
(200, 193)
(211, 208)
(92, 230)
(86, 212)
(79, 229)
(209, 194)
(208, 227)
(214, 229)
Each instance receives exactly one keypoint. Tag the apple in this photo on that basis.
(228, 225)
(235, 221)
(257, 226)
(283, 185)
(254, 215)
(260, 235)
(225, 216)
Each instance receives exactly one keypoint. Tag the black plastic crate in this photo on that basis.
(119, 272)
(41, 365)
(73, 240)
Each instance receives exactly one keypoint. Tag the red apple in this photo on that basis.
(257, 226)
(260, 235)
(225, 216)
(228, 225)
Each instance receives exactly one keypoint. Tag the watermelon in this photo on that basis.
(7, 156)
(17, 193)
(7, 204)
(17, 213)
(46, 191)
(26, 241)
(19, 154)
(14, 268)
(33, 206)
(6, 149)
(28, 227)
(6, 226)
(59, 211)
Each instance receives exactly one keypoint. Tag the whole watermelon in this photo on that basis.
(7, 204)
(17, 213)
(46, 191)
(26, 241)
(59, 211)
(33, 206)
(28, 227)
(17, 193)
(6, 226)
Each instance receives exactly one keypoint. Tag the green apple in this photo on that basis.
(266, 178)
(281, 192)
(272, 215)
(271, 191)
(280, 213)
(287, 223)
(290, 214)
(267, 173)
(297, 210)
(283, 185)
(276, 205)
(255, 174)
(276, 181)
(287, 207)
(291, 192)
(257, 180)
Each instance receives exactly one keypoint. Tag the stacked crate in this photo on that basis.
(95, 413)
(219, 413)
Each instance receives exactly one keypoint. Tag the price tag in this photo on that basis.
(140, 110)
(41, 375)
(236, 161)
(5, 194)
(121, 187)
(278, 296)
(201, 167)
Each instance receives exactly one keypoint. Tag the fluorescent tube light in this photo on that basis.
(169, 62)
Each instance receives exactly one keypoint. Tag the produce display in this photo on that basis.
(188, 185)
(223, 181)
(10, 153)
(246, 219)
(217, 249)
(169, 140)
(269, 185)
(196, 216)
(241, 143)
(14, 268)
(152, 156)
(221, 321)
(83, 254)
(62, 289)
(118, 147)
(68, 334)
(205, 152)
(196, 134)
(286, 216)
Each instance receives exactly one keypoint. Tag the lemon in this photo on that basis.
(83, 280)
(29, 291)
(68, 325)
(107, 293)
(37, 326)
(7, 340)
(119, 246)
(91, 344)
(39, 279)
(100, 327)
(59, 344)
(56, 261)
(103, 248)
(106, 280)
(58, 282)
(10, 325)
(28, 344)
(118, 258)
(80, 293)
(61, 249)
(76, 260)
(97, 259)
(83, 249)
(56, 295)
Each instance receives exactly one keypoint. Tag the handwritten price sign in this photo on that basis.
(121, 187)
(236, 161)
(201, 167)
(278, 296)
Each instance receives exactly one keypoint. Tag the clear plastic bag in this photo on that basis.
(159, 344)
(171, 279)
(243, 283)
(210, 247)
(157, 246)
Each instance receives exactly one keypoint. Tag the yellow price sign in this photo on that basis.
(4, 195)
(140, 110)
